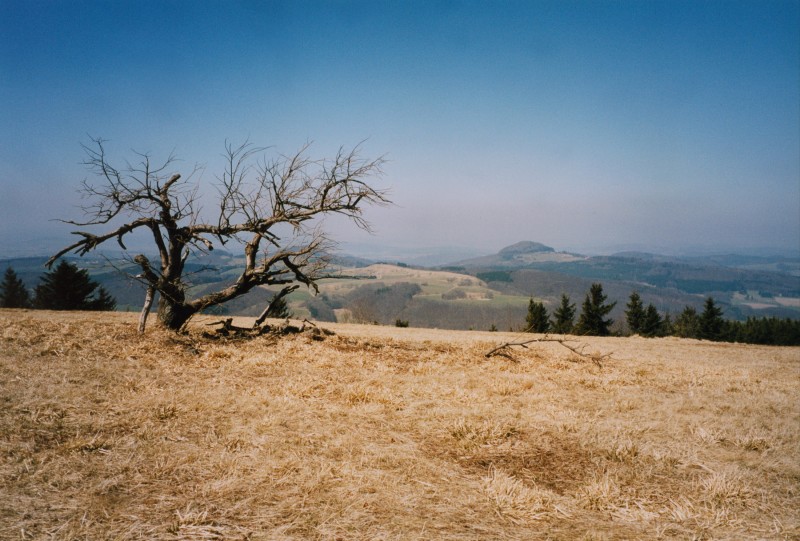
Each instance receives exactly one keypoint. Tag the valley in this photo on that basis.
(485, 292)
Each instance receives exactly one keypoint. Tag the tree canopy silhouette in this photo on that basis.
(711, 323)
(69, 288)
(563, 316)
(13, 293)
(594, 310)
(635, 314)
(537, 319)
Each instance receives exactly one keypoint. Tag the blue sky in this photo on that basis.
(586, 125)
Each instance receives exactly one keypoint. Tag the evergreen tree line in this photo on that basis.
(66, 287)
(648, 322)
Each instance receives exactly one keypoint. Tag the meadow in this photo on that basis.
(385, 433)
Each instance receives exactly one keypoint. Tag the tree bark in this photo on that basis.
(148, 302)
(174, 315)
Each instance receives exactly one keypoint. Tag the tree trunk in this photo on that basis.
(174, 315)
(148, 302)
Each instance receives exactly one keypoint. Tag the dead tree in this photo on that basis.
(267, 206)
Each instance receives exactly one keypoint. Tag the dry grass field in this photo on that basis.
(389, 434)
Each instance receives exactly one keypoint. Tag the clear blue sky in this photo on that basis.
(583, 125)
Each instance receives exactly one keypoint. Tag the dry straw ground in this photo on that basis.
(384, 433)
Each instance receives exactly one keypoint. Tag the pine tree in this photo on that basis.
(687, 324)
(538, 318)
(103, 301)
(592, 319)
(13, 293)
(653, 324)
(564, 316)
(711, 322)
(69, 288)
(666, 325)
(635, 314)
(278, 309)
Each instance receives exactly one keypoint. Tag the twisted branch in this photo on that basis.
(503, 349)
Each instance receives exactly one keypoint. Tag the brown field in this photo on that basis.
(389, 434)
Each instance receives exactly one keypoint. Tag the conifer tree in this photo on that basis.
(538, 318)
(711, 323)
(687, 324)
(69, 288)
(103, 301)
(653, 324)
(13, 293)
(635, 313)
(593, 312)
(564, 316)
(666, 325)
(279, 309)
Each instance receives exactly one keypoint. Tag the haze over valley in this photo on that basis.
(485, 291)
(595, 127)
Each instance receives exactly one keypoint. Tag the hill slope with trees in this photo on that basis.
(479, 297)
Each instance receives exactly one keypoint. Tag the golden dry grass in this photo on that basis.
(385, 433)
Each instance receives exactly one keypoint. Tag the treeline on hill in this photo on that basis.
(66, 287)
(648, 322)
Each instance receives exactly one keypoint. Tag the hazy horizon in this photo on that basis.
(669, 126)
(418, 254)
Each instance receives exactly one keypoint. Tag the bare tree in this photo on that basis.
(267, 206)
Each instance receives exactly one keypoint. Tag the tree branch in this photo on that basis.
(281, 294)
(90, 241)
(502, 349)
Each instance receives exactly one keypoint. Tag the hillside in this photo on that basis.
(386, 433)
(519, 255)
(383, 293)
(481, 293)
(744, 286)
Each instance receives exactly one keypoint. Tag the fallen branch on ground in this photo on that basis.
(228, 329)
(503, 349)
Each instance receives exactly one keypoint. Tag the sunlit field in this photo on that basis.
(390, 434)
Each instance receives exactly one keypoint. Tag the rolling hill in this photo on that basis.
(484, 292)
(745, 286)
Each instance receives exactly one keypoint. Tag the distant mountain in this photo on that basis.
(520, 255)
(744, 285)
(525, 247)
